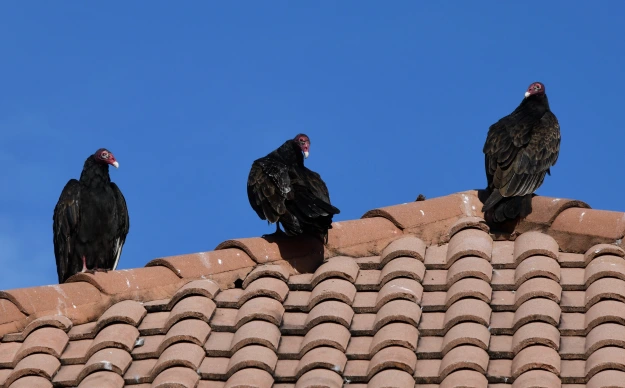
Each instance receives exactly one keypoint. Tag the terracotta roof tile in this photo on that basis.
(362, 237)
(49, 340)
(322, 357)
(604, 266)
(399, 334)
(316, 377)
(294, 323)
(214, 368)
(402, 267)
(139, 283)
(110, 359)
(400, 379)
(196, 265)
(392, 357)
(579, 229)
(466, 333)
(398, 310)
(219, 344)
(80, 302)
(176, 377)
(202, 287)
(181, 354)
(58, 321)
(267, 270)
(229, 298)
(469, 267)
(263, 308)
(531, 378)
(242, 379)
(408, 246)
(607, 378)
(31, 382)
(12, 319)
(139, 371)
(253, 356)
(119, 335)
(330, 311)
(469, 242)
(328, 289)
(256, 333)
(191, 330)
(362, 324)
(38, 364)
(336, 267)
(266, 286)
(416, 295)
(465, 378)
(470, 222)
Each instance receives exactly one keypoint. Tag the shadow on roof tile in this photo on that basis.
(304, 253)
(576, 229)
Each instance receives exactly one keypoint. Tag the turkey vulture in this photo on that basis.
(282, 190)
(520, 149)
(90, 220)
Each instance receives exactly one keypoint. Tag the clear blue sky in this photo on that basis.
(396, 98)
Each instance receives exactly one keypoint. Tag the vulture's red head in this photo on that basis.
(535, 88)
(105, 156)
(304, 143)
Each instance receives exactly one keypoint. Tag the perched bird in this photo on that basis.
(283, 191)
(90, 220)
(520, 149)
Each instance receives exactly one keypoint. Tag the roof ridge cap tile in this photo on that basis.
(145, 283)
(578, 229)
(303, 253)
(545, 210)
(361, 237)
(432, 219)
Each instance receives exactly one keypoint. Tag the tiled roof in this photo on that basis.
(418, 293)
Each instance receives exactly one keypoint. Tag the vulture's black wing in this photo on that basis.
(519, 152)
(66, 221)
(123, 223)
(268, 186)
(312, 194)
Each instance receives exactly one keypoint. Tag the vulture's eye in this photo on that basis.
(105, 155)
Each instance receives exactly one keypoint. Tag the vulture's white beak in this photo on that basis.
(305, 154)
(116, 164)
(527, 94)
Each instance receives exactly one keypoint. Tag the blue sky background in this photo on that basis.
(397, 98)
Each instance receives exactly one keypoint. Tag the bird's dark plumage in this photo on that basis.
(519, 150)
(90, 220)
(282, 190)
